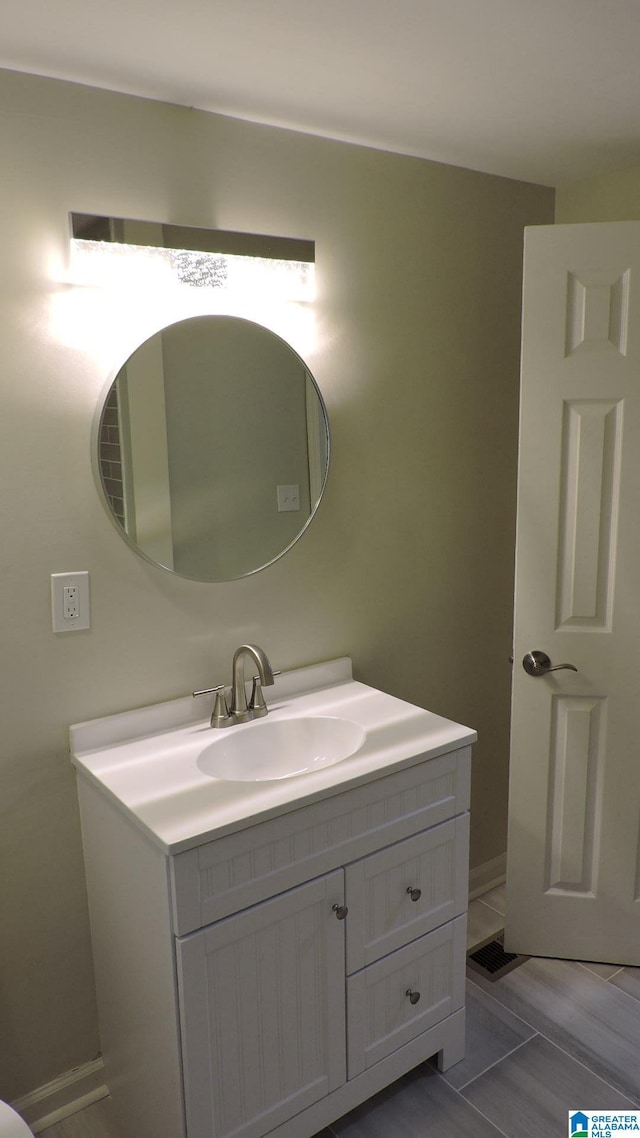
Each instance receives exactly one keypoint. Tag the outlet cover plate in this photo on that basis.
(60, 622)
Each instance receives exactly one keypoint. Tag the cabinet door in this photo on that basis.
(406, 890)
(406, 993)
(263, 1012)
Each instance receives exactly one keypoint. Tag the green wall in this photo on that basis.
(609, 197)
(408, 565)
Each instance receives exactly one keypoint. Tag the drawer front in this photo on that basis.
(380, 1014)
(406, 890)
(233, 872)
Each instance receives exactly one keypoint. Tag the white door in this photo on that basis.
(573, 867)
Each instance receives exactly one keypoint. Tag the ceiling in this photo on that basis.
(543, 90)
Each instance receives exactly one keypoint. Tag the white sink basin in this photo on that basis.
(270, 749)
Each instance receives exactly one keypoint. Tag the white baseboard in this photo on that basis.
(63, 1096)
(484, 877)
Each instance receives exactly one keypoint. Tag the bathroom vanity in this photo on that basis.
(269, 954)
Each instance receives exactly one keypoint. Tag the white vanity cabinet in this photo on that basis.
(264, 992)
(267, 980)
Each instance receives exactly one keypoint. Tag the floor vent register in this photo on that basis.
(491, 960)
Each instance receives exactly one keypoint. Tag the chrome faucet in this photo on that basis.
(240, 711)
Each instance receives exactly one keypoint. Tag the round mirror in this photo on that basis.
(213, 448)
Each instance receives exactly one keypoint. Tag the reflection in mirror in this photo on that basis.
(213, 448)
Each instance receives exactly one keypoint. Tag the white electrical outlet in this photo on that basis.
(288, 498)
(70, 601)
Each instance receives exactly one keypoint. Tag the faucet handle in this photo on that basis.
(257, 703)
(220, 716)
(208, 691)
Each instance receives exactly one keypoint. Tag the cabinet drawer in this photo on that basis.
(380, 1015)
(238, 870)
(406, 890)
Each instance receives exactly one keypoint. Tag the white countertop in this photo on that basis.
(145, 760)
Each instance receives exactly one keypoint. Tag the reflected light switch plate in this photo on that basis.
(288, 498)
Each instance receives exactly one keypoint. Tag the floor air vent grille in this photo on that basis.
(491, 960)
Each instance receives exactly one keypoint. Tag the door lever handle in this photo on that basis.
(538, 664)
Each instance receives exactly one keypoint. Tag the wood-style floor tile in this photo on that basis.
(607, 971)
(496, 899)
(482, 923)
(532, 1091)
(419, 1104)
(492, 1032)
(628, 980)
(585, 1015)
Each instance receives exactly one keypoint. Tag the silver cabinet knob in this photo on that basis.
(340, 911)
(413, 996)
(415, 894)
(538, 664)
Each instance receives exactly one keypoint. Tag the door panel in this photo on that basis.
(263, 1012)
(574, 812)
(589, 495)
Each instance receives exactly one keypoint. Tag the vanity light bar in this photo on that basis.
(118, 252)
(120, 230)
